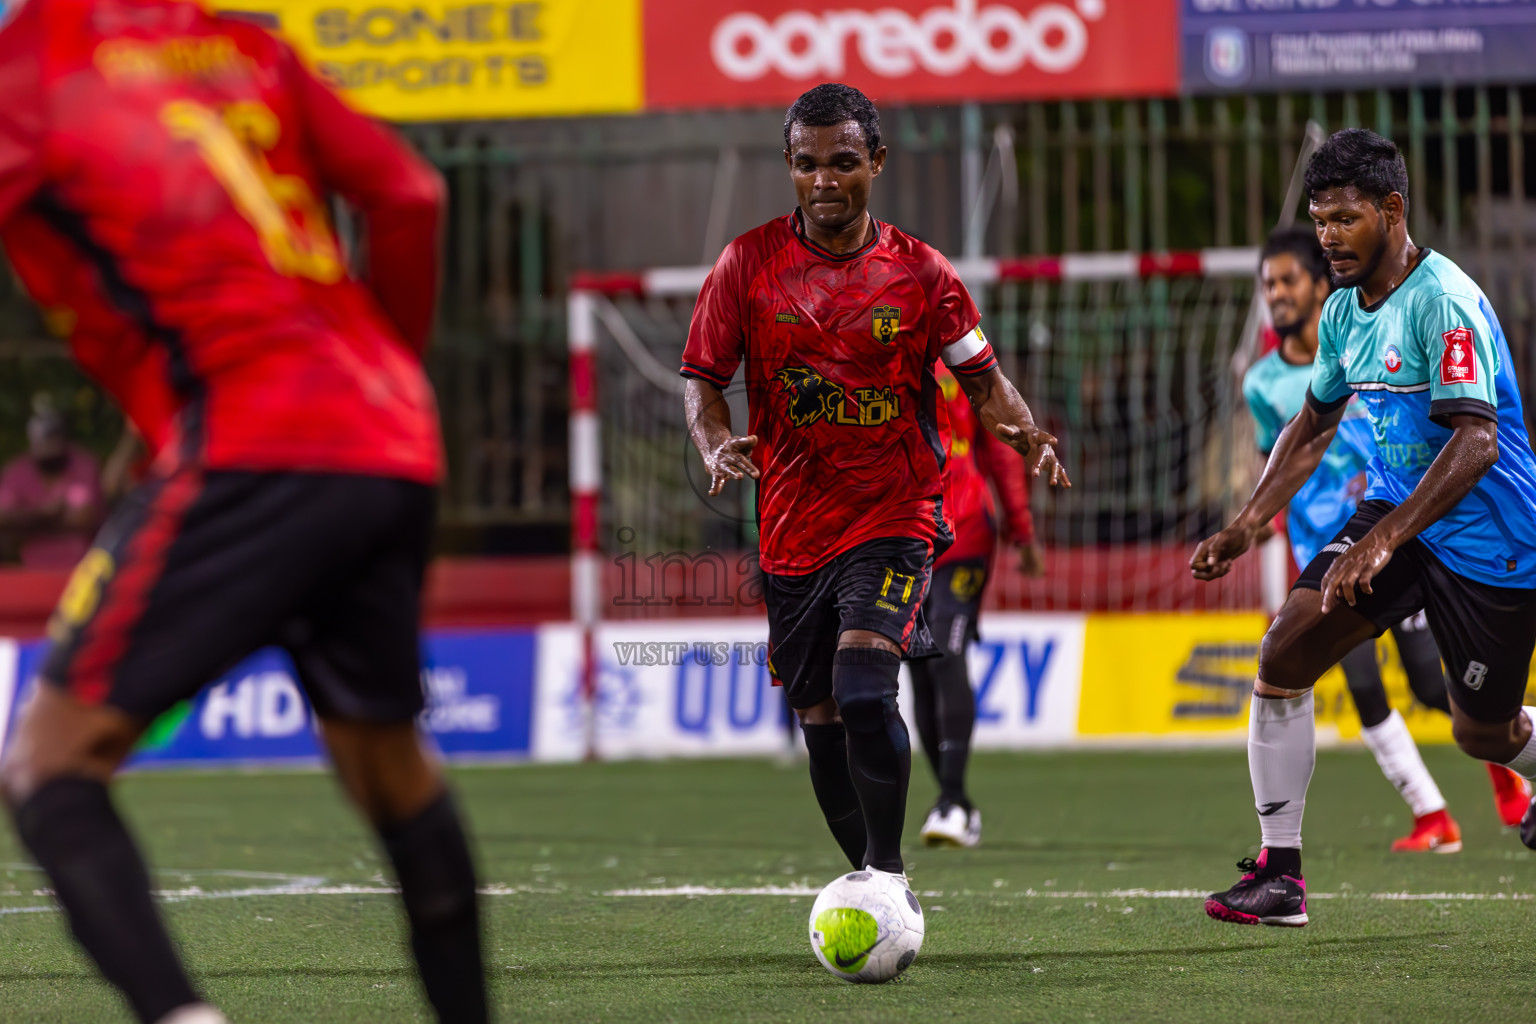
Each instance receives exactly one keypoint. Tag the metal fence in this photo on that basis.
(534, 201)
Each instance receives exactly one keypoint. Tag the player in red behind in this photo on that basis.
(163, 174)
(944, 703)
(840, 319)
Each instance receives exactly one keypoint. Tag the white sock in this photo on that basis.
(1524, 763)
(1400, 762)
(1282, 750)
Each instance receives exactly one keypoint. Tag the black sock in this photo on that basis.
(879, 750)
(828, 747)
(925, 710)
(1421, 663)
(72, 829)
(437, 884)
(954, 718)
(1282, 860)
(1363, 677)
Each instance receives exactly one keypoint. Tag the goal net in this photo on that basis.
(1128, 359)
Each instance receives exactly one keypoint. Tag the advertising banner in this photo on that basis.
(1169, 675)
(1025, 671)
(691, 688)
(437, 61)
(1350, 44)
(701, 688)
(479, 703)
(710, 53)
(1189, 678)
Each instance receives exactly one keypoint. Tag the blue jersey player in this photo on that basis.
(1448, 524)
(1293, 272)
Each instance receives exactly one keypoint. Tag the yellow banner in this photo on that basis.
(1191, 676)
(436, 61)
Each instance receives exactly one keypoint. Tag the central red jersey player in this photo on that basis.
(839, 320)
(163, 183)
(943, 703)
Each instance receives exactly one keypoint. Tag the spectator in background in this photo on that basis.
(50, 497)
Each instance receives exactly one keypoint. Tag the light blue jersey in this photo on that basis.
(1276, 391)
(1432, 349)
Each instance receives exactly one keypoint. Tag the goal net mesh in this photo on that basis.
(1136, 378)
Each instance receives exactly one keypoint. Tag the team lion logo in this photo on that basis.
(811, 396)
(887, 323)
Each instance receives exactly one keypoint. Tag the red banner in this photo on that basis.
(710, 53)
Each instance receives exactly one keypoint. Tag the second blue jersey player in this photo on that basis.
(1294, 275)
(1448, 524)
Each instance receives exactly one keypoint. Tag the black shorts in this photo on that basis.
(954, 603)
(1485, 633)
(878, 585)
(195, 571)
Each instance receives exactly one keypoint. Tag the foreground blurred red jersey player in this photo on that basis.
(164, 177)
(944, 705)
(839, 320)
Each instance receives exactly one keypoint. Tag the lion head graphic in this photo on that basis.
(811, 396)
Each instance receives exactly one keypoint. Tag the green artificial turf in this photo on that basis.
(554, 842)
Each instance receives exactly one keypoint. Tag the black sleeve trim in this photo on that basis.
(1321, 407)
(705, 375)
(1442, 409)
(977, 371)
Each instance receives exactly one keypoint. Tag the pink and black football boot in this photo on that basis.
(1261, 897)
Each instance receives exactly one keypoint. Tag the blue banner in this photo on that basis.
(479, 688)
(1349, 44)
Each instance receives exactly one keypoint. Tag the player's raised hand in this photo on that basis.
(1354, 570)
(1214, 557)
(732, 460)
(1035, 445)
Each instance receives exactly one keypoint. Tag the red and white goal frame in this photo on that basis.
(588, 289)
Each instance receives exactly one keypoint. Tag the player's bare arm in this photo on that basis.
(1465, 459)
(1297, 454)
(1004, 413)
(727, 456)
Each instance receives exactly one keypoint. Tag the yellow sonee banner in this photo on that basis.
(436, 61)
(1190, 677)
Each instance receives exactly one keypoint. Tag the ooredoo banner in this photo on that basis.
(709, 53)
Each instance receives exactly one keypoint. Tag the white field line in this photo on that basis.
(1109, 894)
(316, 885)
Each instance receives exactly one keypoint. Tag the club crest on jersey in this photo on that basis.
(1459, 363)
(887, 323)
(813, 398)
(1394, 359)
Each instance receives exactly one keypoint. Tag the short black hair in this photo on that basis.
(1301, 243)
(1360, 159)
(833, 103)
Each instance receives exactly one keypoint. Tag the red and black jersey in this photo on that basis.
(839, 352)
(976, 464)
(163, 178)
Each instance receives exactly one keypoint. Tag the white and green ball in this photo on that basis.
(866, 927)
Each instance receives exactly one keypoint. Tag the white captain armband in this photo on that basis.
(970, 354)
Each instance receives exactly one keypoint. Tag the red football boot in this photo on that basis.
(1511, 794)
(1435, 832)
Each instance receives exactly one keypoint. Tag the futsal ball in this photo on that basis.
(866, 927)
